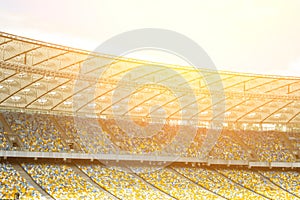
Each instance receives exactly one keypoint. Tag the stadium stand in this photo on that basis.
(40, 132)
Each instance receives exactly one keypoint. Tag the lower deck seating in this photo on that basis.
(179, 181)
(12, 183)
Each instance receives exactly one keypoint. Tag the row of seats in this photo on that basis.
(39, 132)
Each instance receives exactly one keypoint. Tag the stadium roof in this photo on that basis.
(40, 76)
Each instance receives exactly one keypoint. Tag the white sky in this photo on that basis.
(247, 36)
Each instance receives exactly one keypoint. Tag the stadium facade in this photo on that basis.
(90, 118)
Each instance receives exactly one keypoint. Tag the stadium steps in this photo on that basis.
(90, 180)
(210, 143)
(106, 129)
(238, 139)
(107, 133)
(185, 177)
(28, 178)
(59, 128)
(240, 184)
(285, 139)
(5, 124)
(278, 185)
(63, 133)
(146, 182)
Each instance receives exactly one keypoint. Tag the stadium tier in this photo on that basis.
(93, 180)
(56, 133)
(83, 125)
